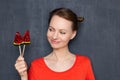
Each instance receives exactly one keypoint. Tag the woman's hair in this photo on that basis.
(68, 15)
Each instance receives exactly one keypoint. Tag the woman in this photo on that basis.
(60, 64)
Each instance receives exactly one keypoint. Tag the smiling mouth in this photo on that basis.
(54, 42)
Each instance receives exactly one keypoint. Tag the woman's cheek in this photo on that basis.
(65, 38)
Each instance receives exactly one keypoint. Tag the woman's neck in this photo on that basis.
(61, 54)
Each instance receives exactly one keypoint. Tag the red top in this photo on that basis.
(81, 70)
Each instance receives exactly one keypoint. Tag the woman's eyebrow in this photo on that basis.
(59, 29)
(51, 26)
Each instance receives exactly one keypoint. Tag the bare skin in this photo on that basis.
(60, 63)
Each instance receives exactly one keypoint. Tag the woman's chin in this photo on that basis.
(55, 47)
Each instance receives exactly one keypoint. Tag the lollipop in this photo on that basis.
(25, 40)
(18, 41)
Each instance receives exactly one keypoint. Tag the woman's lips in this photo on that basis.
(54, 42)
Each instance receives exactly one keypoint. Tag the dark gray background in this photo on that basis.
(98, 38)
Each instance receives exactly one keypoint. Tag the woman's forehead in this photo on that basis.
(59, 22)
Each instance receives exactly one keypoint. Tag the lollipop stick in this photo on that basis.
(23, 50)
(20, 49)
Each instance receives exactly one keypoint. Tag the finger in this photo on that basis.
(21, 63)
(21, 66)
(20, 59)
(22, 70)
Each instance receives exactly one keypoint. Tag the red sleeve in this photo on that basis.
(90, 74)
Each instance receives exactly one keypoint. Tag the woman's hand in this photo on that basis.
(21, 67)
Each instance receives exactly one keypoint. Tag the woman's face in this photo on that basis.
(60, 32)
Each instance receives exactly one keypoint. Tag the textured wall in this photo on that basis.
(98, 37)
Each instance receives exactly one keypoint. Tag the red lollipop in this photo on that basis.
(26, 38)
(17, 39)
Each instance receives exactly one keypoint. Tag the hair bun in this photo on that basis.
(80, 19)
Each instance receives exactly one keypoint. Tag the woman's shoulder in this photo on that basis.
(37, 63)
(37, 60)
(83, 58)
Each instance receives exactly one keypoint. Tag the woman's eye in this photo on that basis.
(50, 29)
(62, 32)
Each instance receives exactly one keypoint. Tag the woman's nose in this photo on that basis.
(55, 35)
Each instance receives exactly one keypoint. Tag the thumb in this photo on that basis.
(20, 58)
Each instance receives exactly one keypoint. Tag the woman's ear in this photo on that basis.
(73, 34)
